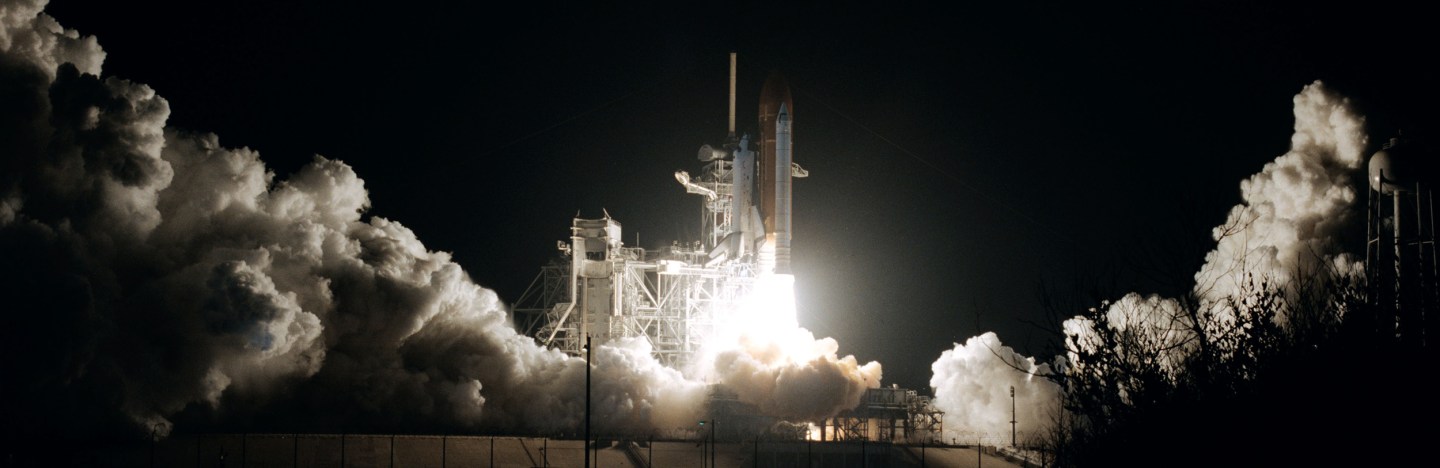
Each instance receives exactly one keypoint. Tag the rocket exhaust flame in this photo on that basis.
(769, 360)
(768, 311)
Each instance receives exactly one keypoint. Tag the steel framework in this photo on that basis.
(674, 297)
(886, 415)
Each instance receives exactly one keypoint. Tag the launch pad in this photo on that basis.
(677, 298)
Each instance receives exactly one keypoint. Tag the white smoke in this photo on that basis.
(810, 385)
(972, 385)
(761, 352)
(157, 273)
(1286, 228)
(29, 34)
(1295, 207)
(164, 274)
(1156, 330)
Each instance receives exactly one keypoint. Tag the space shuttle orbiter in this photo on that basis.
(760, 187)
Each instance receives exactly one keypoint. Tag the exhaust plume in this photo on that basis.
(160, 279)
(157, 276)
(1295, 208)
(972, 385)
(770, 361)
(1288, 226)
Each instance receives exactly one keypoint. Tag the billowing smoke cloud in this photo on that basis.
(770, 361)
(809, 385)
(29, 35)
(972, 385)
(154, 276)
(1295, 208)
(1286, 228)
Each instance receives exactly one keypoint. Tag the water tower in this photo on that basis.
(1400, 244)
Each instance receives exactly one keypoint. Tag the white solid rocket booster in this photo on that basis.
(777, 116)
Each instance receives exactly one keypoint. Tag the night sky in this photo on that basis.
(961, 156)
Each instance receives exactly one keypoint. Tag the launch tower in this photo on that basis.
(672, 298)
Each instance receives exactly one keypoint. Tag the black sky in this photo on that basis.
(960, 155)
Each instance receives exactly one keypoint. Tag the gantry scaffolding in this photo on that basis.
(672, 297)
(884, 414)
(607, 291)
(599, 290)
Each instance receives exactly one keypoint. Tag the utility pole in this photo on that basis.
(587, 401)
(1012, 415)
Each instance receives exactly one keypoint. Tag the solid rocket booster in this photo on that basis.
(776, 119)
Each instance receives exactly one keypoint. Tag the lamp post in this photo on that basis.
(704, 447)
(707, 445)
(587, 401)
(1012, 415)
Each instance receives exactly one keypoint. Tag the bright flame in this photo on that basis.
(759, 349)
(764, 323)
(769, 311)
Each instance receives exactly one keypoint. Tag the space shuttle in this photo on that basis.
(759, 204)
